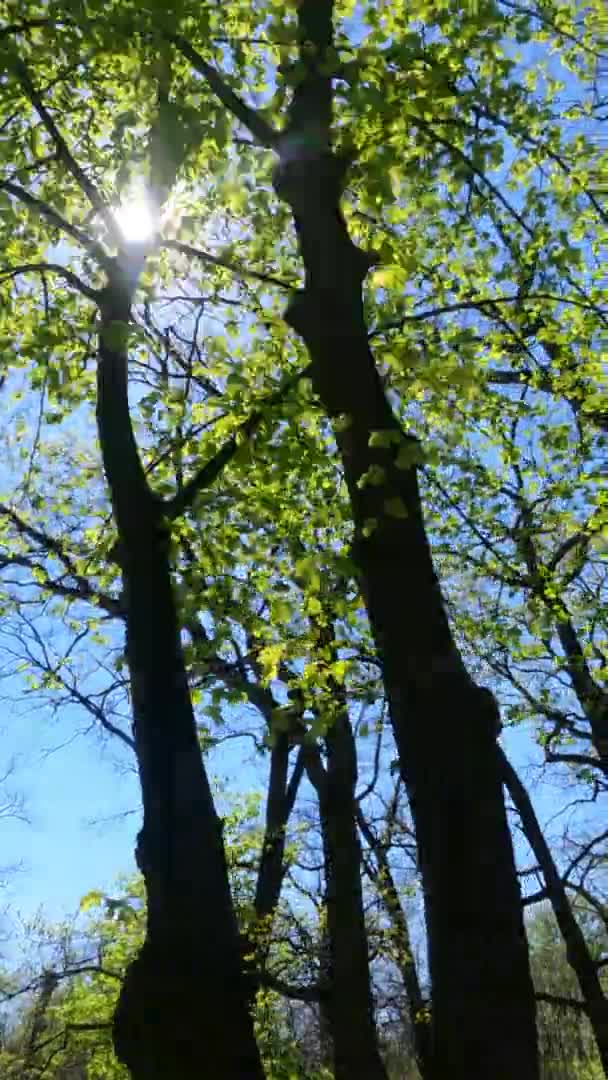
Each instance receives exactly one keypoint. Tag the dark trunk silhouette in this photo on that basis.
(183, 1008)
(279, 805)
(348, 1004)
(38, 1022)
(347, 1007)
(577, 952)
(592, 696)
(389, 897)
(280, 800)
(281, 792)
(445, 727)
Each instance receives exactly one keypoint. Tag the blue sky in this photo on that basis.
(79, 792)
(68, 781)
(81, 796)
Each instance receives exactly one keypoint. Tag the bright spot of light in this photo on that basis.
(136, 219)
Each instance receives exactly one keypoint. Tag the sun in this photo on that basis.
(135, 218)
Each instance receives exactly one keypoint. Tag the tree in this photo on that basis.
(566, 1046)
(578, 952)
(468, 113)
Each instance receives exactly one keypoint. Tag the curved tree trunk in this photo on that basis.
(579, 957)
(183, 1009)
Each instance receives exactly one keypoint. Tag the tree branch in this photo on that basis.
(210, 471)
(562, 1002)
(252, 120)
(227, 264)
(39, 207)
(52, 268)
(64, 154)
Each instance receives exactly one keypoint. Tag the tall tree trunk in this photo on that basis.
(347, 1007)
(281, 792)
(354, 1032)
(445, 727)
(483, 1007)
(183, 1009)
(579, 957)
(280, 801)
(326, 1043)
(390, 900)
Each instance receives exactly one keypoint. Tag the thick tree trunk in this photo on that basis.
(183, 1009)
(579, 957)
(483, 1007)
(445, 727)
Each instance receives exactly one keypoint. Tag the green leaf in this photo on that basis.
(395, 507)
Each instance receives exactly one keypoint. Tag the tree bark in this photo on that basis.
(445, 727)
(347, 1005)
(183, 1009)
(279, 805)
(354, 1032)
(389, 898)
(579, 957)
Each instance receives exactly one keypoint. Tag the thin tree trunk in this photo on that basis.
(346, 1004)
(281, 792)
(592, 697)
(183, 1009)
(483, 1008)
(38, 1022)
(279, 805)
(579, 957)
(389, 898)
(326, 1043)
(354, 1032)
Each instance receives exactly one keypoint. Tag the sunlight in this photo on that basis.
(136, 219)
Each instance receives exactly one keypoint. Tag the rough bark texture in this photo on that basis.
(483, 1008)
(183, 1008)
(445, 727)
(579, 957)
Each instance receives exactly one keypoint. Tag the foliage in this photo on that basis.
(477, 180)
